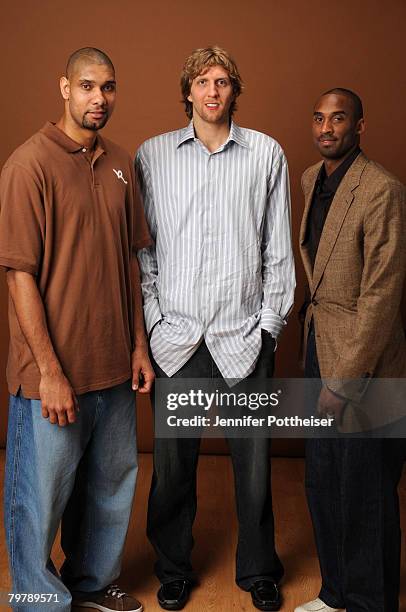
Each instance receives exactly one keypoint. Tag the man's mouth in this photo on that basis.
(97, 114)
(212, 105)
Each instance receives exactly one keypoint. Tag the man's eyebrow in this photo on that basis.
(109, 82)
(337, 112)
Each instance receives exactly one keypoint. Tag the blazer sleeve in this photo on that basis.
(378, 304)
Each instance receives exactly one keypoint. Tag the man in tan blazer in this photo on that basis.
(353, 247)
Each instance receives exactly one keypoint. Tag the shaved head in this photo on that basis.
(87, 55)
(358, 111)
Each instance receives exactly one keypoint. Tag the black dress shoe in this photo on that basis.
(174, 595)
(265, 595)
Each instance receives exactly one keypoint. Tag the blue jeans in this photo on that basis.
(83, 475)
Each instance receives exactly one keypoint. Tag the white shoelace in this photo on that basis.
(114, 591)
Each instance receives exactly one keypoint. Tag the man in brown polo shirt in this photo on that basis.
(70, 224)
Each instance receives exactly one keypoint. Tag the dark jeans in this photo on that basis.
(351, 486)
(172, 500)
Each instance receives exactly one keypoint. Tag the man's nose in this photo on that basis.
(212, 89)
(98, 96)
(326, 126)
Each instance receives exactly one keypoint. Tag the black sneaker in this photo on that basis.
(265, 595)
(174, 595)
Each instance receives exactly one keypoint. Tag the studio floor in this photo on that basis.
(215, 539)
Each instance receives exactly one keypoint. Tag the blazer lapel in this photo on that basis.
(308, 188)
(335, 218)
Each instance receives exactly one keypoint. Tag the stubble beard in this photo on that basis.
(94, 125)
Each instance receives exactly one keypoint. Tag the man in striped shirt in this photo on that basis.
(217, 287)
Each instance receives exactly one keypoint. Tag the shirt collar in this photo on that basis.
(236, 135)
(332, 182)
(63, 140)
(187, 133)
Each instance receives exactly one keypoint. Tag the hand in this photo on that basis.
(331, 405)
(143, 374)
(58, 401)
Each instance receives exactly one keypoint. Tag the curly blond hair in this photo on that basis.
(200, 61)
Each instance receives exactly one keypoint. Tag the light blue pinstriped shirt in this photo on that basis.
(222, 265)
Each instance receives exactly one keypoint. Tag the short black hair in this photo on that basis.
(91, 54)
(355, 99)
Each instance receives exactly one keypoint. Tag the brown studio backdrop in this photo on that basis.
(288, 52)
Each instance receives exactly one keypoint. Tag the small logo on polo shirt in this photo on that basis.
(120, 175)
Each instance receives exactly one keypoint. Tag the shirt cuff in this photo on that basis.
(19, 265)
(351, 390)
(152, 314)
(143, 243)
(272, 322)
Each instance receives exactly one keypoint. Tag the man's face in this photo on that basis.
(335, 130)
(211, 94)
(90, 95)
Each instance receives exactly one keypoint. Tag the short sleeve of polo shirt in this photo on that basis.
(141, 236)
(22, 219)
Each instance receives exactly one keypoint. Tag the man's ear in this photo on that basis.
(64, 87)
(360, 126)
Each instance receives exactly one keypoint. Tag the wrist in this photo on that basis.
(50, 370)
(141, 344)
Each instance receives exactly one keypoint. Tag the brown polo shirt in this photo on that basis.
(71, 218)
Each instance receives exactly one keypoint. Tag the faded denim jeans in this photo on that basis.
(84, 475)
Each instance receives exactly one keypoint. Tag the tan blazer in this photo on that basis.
(356, 285)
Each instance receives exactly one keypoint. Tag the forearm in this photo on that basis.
(57, 397)
(143, 374)
(32, 320)
(139, 328)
